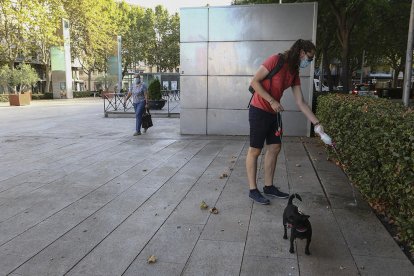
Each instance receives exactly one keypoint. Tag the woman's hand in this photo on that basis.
(276, 106)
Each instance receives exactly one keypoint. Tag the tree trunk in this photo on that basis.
(89, 80)
(327, 69)
(345, 61)
(48, 74)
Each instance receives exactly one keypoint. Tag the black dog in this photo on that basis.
(299, 224)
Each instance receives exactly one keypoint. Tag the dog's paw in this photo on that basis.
(292, 250)
(307, 252)
(285, 237)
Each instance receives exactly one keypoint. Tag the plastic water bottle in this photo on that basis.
(324, 137)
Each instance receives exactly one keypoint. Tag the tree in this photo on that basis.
(391, 41)
(14, 19)
(5, 77)
(92, 32)
(163, 51)
(347, 14)
(47, 17)
(172, 43)
(22, 78)
(135, 25)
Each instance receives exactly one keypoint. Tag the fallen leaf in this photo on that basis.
(223, 175)
(152, 259)
(297, 165)
(342, 267)
(214, 210)
(203, 205)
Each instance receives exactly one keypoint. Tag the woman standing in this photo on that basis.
(139, 93)
(264, 113)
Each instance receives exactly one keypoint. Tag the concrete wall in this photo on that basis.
(221, 49)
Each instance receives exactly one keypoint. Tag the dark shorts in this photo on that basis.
(264, 126)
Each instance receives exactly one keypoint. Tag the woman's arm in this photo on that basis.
(128, 96)
(257, 86)
(303, 106)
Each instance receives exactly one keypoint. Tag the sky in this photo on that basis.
(174, 5)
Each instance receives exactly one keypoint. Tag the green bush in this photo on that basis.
(46, 96)
(375, 140)
(4, 98)
(83, 94)
(154, 90)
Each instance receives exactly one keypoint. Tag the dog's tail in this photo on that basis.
(292, 197)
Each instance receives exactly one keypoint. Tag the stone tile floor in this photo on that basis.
(79, 195)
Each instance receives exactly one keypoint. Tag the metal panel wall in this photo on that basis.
(221, 49)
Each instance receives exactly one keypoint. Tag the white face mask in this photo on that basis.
(304, 62)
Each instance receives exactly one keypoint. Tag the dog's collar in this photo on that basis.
(301, 230)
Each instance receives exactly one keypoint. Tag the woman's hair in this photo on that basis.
(292, 55)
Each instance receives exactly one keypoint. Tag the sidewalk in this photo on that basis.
(79, 195)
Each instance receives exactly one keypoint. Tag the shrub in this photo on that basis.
(18, 80)
(83, 94)
(23, 77)
(154, 90)
(4, 98)
(46, 96)
(375, 138)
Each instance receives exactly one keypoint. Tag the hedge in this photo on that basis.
(4, 97)
(375, 140)
(48, 96)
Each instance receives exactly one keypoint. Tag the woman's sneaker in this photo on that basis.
(273, 191)
(258, 197)
(137, 133)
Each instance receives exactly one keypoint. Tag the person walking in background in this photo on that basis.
(264, 113)
(139, 93)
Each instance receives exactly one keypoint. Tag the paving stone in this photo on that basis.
(141, 267)
(215, 258)
(93, 200)
(378, 266)
(329, 252)
(229, 224)
(365, 235)
(254, 265)
(266, 240)
(172, 243)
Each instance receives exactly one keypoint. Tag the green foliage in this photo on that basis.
(5, 76)
(23, 77)
(106, 81)
(4, 98)
(375, 138)
(83, 94)
(19, 79)
(92, 31)
(154, 90)
(46, 96)
(164, 42)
